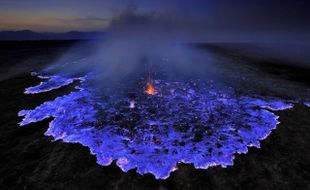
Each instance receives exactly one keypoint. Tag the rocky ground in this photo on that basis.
(30, 160)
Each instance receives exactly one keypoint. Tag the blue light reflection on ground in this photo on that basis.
(185, 122)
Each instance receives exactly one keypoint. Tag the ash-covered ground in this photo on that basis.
(30, 160)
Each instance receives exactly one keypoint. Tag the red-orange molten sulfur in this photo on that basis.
(150, 88)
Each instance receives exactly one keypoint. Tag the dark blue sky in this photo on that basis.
(204, 16)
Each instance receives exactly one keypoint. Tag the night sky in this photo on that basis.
(203, 18)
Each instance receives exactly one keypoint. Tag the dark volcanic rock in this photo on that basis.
(29, 160)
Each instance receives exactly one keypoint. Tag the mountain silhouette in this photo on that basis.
(30, 35)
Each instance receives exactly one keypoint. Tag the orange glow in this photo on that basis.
(150, 88)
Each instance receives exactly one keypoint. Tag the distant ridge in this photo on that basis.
(30, 35)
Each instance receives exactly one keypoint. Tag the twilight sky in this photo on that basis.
(216, 18)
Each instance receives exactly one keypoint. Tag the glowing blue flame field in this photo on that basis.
(189, 122)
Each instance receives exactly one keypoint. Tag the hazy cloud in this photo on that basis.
(85, 20)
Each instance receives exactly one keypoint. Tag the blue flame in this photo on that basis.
(189, 122)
